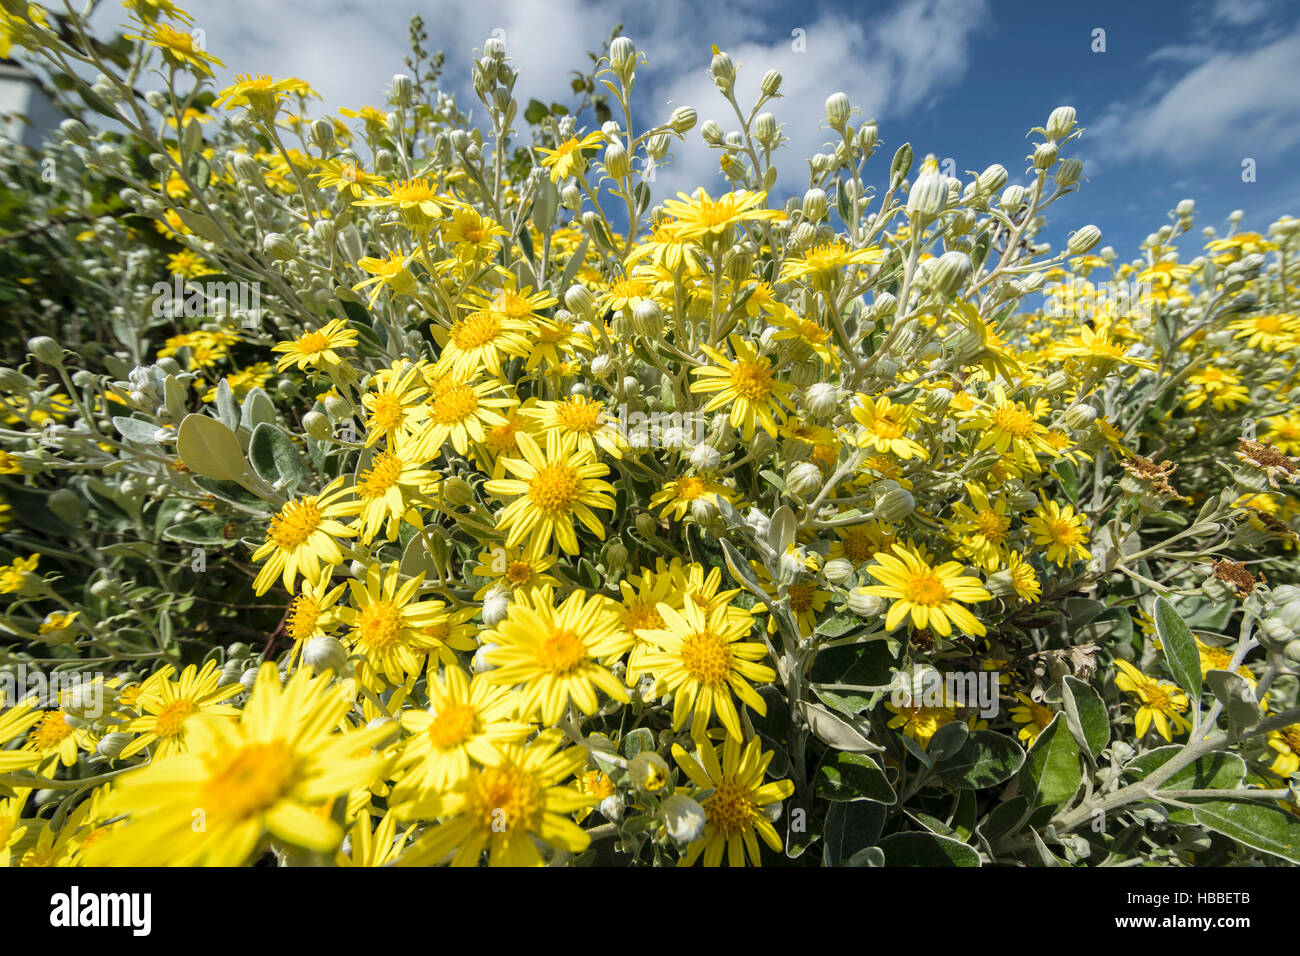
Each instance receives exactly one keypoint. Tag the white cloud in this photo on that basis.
(888, 63)
(1230, 105)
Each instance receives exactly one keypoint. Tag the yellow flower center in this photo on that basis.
(387, 412)
(293, 524)
(578, 414)
(51, 731)
(643, 615)
(1269, 324)
(706, 657)
(751, 380)
(413, 190)
(887, 428)
(379, 625)
(595, 783)
(304, 614)
(519, 573)
(1290, 735)
(925, 589)
(453, 725)
(561, 653)
(170, 719)
(801, 596)
(475, 330)
(1014, 421)
(313, 342)
(1062, 531)
(992, 526)
(384, 472)
(503, 799)
(249, 780)
(688, 489)
(511, 305)
(555, 488)
(858, 546)
(731, 809)
(174, 40)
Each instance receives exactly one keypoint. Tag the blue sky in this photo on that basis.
(1183, 93)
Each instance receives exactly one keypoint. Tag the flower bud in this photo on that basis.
(838, 570)
(1069, 171)
(112, 744)
(616, 161)
(325, 653)
(821, 399)
(711, 132)
(248, 678)
(771, 83)
(1060, 122)
(804, 479)
(865, 605)
(601, 365)
(579, 300)
(457, 492)
(838, 109)
(648, 771)
(622, 58)
(950, 272)
(1083, 240)
(647, 319)
(893, 506)
(616, 554)
(494, 47)
(724, 72)
(278, 246)
(929, 194)
(496, 605)
(705, 457)
(1079, 416)
(646, 524)
(682, 119)
(684, 819)
(867, 137)
(75, 132)
(322, 133)
(814, 205)
(1044, 156)
(992, 179)
(45, 349)
(1012, 197)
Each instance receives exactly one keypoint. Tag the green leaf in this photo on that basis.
(201, 225)
(1265, 827)
(948, 740)
(1181, 655)
(927, 849)
(205, 530)
(1086, 714)
(851, 828)
(1051, 772)
(987, 760)
(845, 777)
(535, 112)
(838, 731)
(274, 457)
(638, 740)
(1237, 697)
(210, 449)
(1219, 770)
(136, 430)
(1003, 817)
